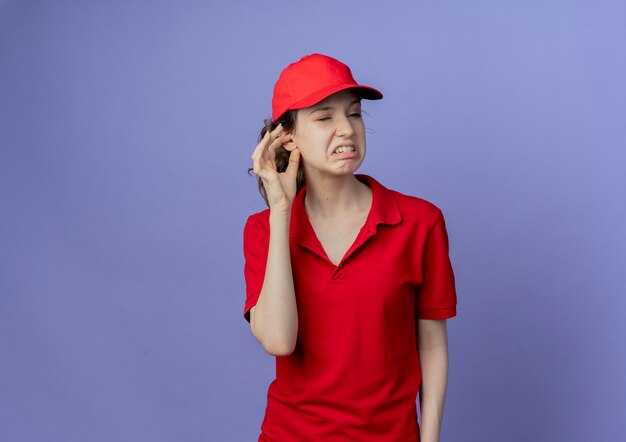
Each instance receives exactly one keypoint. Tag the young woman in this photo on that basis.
(348, 283)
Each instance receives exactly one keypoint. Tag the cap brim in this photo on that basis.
(367, 92)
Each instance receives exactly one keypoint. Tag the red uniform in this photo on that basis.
(355, 373)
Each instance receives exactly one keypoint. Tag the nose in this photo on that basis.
(344, 127)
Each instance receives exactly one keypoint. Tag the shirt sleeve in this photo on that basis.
(436, 298)
(255, 248)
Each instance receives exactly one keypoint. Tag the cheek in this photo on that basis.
(308, 142)
(313, 137)
(359, 127)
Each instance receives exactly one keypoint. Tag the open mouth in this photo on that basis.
(345, 152)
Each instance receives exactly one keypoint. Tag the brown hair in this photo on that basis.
(288, 120)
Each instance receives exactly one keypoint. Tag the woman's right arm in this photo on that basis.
(274, 318)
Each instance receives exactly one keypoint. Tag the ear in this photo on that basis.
(290, 145)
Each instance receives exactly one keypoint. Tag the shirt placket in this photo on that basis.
(336, 271)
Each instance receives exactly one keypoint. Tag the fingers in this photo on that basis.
(294, 161)
(261, 144)
(268, 139)
(279, 141)
(278, 136)
(264, 152)
(266, 148)
(278, 129)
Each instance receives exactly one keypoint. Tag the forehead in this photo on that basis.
(345, 96)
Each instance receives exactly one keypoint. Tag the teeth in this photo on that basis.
(344, 149)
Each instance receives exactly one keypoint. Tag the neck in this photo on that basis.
(334, 197)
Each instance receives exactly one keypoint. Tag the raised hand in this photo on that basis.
(280, 188)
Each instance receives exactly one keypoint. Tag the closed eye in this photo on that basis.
(352, 114)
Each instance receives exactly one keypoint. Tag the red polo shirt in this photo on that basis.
(355, 373)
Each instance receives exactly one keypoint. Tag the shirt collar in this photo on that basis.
(384, 209)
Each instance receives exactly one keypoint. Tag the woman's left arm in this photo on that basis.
(433, 355)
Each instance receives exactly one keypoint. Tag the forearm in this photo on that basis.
(433, 354)
(276, 317)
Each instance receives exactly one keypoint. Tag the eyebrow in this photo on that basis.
(358, 100)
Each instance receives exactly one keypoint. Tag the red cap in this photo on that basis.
(310, 80)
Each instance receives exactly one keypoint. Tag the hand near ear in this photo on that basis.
(280, 188)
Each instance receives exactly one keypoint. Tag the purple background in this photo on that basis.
(126, 128)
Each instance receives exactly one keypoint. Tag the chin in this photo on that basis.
(348, 170)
